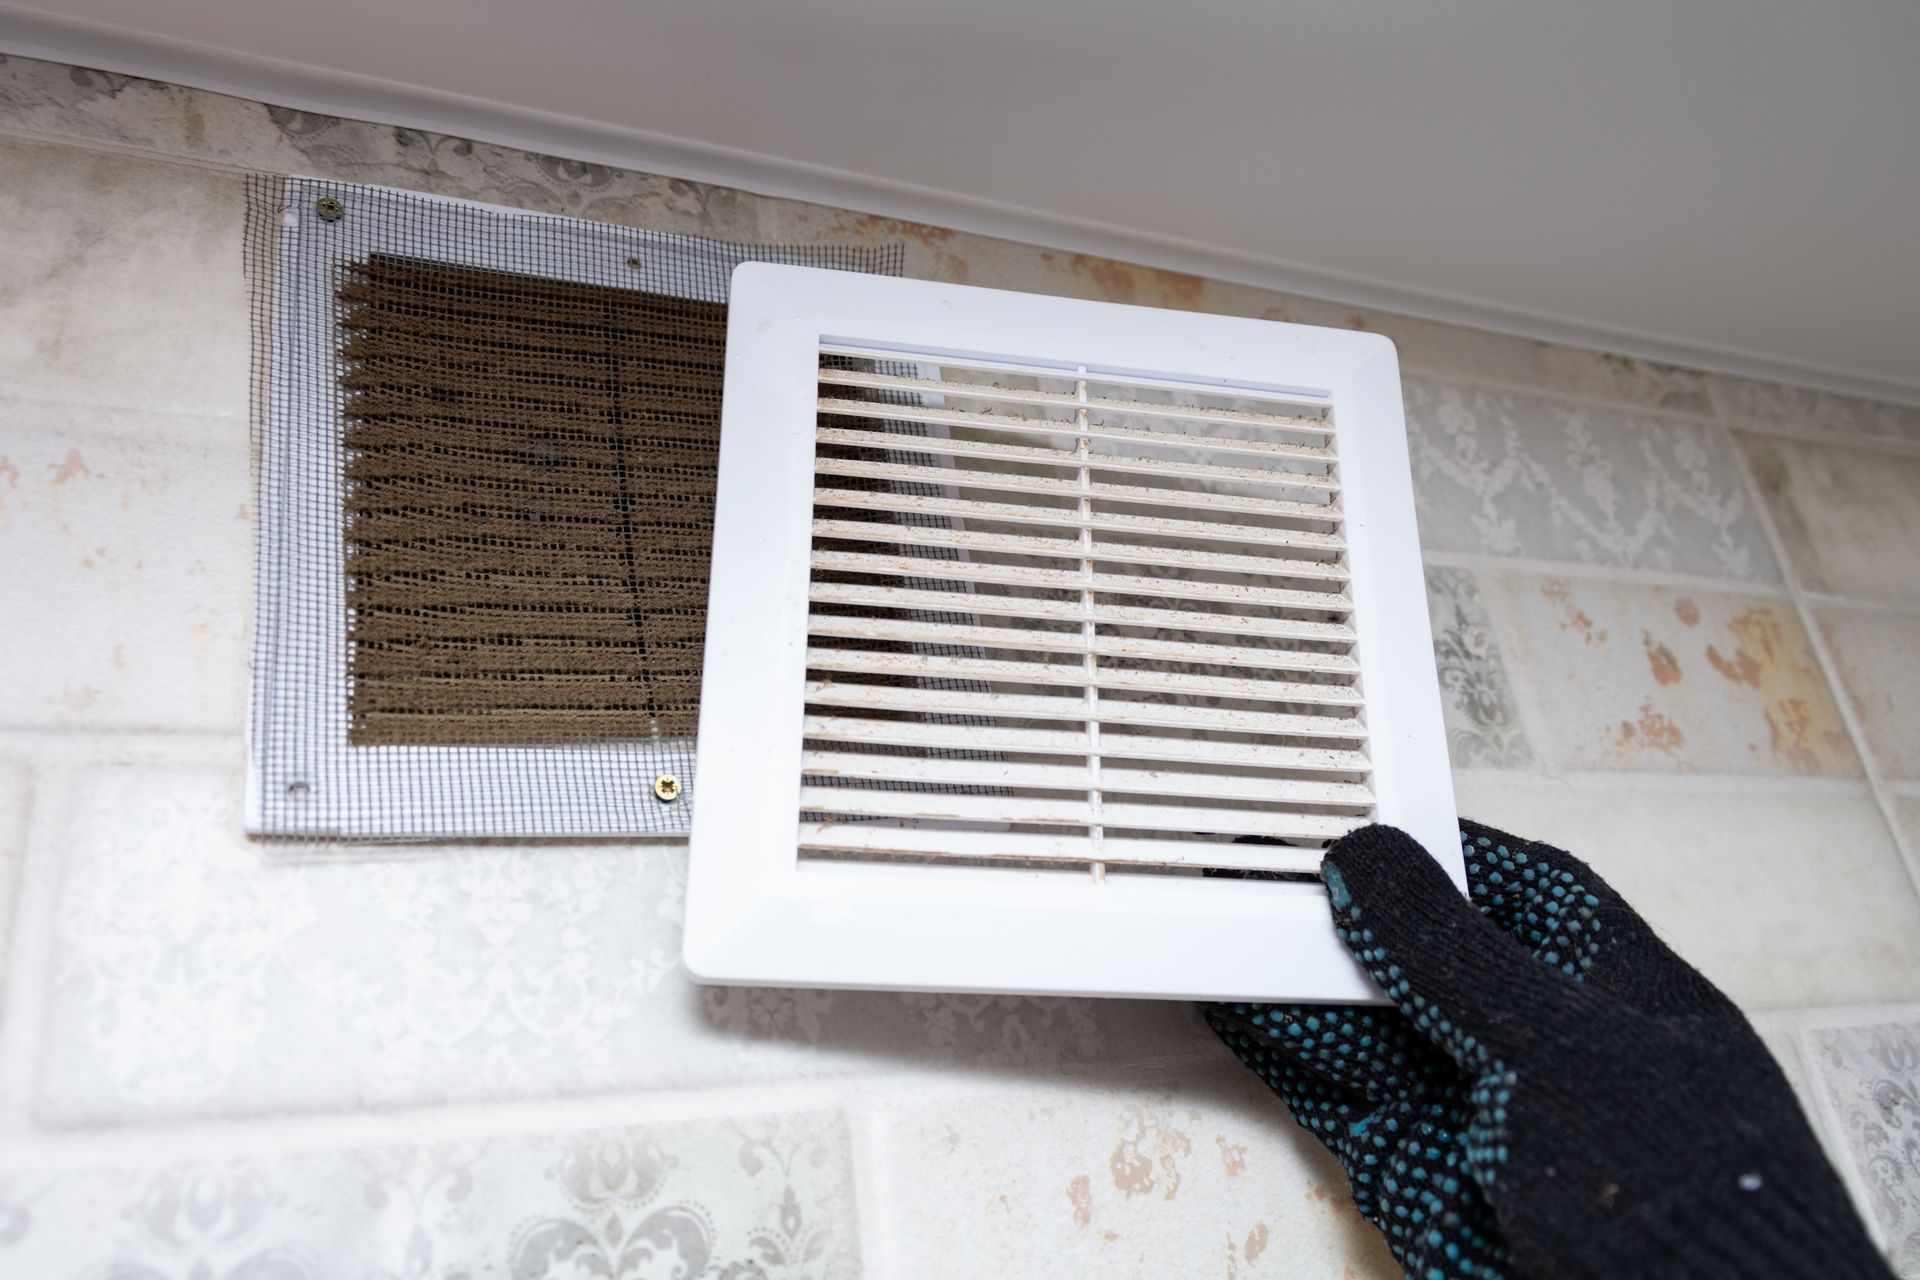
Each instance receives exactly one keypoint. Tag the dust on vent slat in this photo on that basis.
(529, 479)
(1067, 618)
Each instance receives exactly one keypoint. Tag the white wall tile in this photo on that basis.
(1499, 473)
(1628, 677)
(126, 547)
(121, 282)
(1784, 898)
(1876, 656)
(1849, 519)
(1207, 1175)
(1873, 1075)
(195, 973)
(757, 1196)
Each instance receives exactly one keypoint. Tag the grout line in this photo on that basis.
(1583, 570)
(873, 1183)
(1670, 781)
(1490, 382)
(1827, 439)
(152, 153)
(1829, 669)
(1796, 1045)
(142, 418)
(1909, 608)
(129, 745)
(1828, 1125)
(1822, 1017)
(859, 1097)
(28, 976)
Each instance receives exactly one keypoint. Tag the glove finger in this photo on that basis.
(1466, 984)
(1560, 908)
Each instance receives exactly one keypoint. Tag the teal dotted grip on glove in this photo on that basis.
(1552, 1092)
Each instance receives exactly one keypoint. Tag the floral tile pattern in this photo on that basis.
(137, 553)
(1207, 1177)
(1498, 473)
(1774, 404)
(1875, 655)
(1483, 726)
(1849, 519)
(1632, 677)
(1873, 1076)
(754, 1199)
(194, 973)
(1723, 873)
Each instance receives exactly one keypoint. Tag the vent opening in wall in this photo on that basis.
(1026, 613)
(529, 469)
(487, 448)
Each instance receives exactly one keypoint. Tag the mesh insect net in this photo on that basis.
(486, 447)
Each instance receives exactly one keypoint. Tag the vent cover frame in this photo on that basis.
(305, 780)
(760, 913)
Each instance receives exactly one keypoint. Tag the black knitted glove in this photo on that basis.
(1556, 1093)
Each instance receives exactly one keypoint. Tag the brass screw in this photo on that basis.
(329, 208)
(666, 788)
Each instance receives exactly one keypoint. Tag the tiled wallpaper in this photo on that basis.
(1676, 618)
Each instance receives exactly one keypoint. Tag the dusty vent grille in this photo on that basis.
(529, 485)
(1077, 620)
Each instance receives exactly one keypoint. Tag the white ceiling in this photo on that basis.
(1735, 182)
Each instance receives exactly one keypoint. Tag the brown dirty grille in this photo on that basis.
(484, 452)
(529, 470)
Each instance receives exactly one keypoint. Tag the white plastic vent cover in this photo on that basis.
(1029, 612)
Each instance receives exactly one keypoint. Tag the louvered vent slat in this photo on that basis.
(1107, 583)
(946, 843)
(1102, 621)
(1050, 643)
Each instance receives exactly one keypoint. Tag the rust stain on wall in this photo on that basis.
(72, 466)
(1741, 668)
(1804, 729)
(1256, 1241)
(1666, 668)
(1148, 286)
(1687, 611)
(879, 228)
(1148, 1155)
(9, 472)
(1652, 731)
(1233, 1155)
(1080, 1192)
(1790, 730)
(1572, 617)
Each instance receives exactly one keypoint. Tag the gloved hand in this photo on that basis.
(1555, 1093)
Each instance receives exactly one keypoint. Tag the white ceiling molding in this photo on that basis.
(330, 92)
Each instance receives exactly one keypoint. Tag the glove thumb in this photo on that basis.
(1463, 981)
